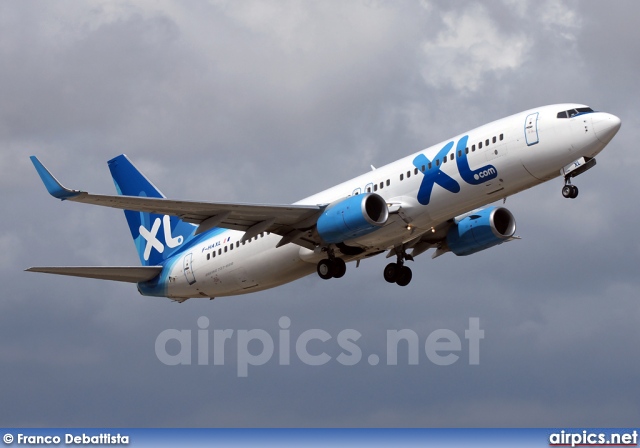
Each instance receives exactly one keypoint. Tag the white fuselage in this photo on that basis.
(523, 150)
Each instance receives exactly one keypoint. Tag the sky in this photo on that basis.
(272, 102)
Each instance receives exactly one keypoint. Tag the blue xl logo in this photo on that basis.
(433, 171)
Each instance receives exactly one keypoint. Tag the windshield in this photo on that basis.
(574, 112)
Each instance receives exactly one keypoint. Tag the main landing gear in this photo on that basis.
(397, 272)
(331, 267)
(334, 267)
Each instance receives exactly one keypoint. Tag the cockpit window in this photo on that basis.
(574, 112)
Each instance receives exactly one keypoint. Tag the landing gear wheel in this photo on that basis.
(339, 268)
(325, 270)
(574, 192)
(331, 268)
(404, 276)
(391, 272)
(570, 191)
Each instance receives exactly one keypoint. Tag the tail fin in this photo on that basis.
(156, 237)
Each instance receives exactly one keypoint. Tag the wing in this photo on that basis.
(293, 222)
(130, 274)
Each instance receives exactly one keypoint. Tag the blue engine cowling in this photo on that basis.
(481, 230)
(352, 217)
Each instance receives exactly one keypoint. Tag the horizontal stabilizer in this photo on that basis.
(131, 274)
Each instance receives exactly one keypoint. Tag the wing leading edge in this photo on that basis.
(287, 220)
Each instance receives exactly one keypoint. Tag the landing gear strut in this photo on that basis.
(397, 272)
(332, 267)
(572, 170)
(569, 191)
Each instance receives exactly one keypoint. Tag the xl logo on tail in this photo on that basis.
(151, 237)
(434, 174)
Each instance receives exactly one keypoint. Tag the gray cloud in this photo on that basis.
(259, 102)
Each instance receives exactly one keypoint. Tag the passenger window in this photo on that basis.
(466, 150)
(381, 185)
(401, 177)
(437, 162)
(415, 171)
(368, 189)
(237, 243)
(451, 156)
(208, 256)
(375, 187)
(444, 159)
(220, 251)
(501, 137)
(459, 152)
(480, 145)
(423, 168)
(408, 174)
(213, 255)
(388, 182)
(487, 142)
(494, 139)
(429, 166)
(473, 148)
(225, 249)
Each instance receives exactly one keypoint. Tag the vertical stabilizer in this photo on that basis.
(157, 237)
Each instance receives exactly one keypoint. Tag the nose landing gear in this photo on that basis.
(572, 170)
(569, 191)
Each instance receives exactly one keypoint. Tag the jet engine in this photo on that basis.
(352, 217)
(481, 230)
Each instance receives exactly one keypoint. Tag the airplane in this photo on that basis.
(438, 198)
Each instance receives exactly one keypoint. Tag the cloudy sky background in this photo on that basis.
(271, 102)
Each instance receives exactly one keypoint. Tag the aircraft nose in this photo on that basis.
(605, 126)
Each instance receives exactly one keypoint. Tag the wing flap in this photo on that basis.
(130, 274)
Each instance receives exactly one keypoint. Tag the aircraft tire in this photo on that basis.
(574, 192)
(404, 276)
(391, 272)
(325, 269)
(339, 267)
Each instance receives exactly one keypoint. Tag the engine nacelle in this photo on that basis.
(481, 230)
(352, 217)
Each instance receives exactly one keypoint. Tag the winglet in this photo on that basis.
(55, 188)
